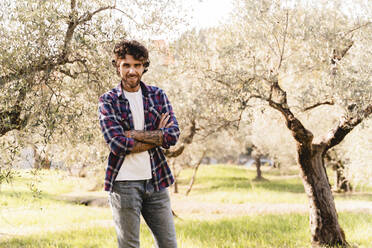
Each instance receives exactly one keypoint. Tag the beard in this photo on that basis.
(131, 82)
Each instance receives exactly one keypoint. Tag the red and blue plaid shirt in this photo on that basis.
(115, 117)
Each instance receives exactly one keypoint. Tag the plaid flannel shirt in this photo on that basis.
(115, 117)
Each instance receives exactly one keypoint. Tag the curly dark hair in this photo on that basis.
(131, 47)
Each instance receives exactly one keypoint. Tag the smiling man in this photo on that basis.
(137, 121)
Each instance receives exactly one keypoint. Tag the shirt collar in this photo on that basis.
(120, 91)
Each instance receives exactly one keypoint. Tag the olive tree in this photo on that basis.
(55, 63)
(298, 59)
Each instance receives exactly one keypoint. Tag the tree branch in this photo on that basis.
(51, 62)
(284, 38)
(319, 104)
(185, 140)
(217, 77)
(345, 126)
(72, 24)
(223, 126)
(277, 42)
(299, 132)
(339, 54)
(196, 167)
(88, 15)
(358, 27)
(68, 73)
(73, 4)
(11, 119)
(130, 17)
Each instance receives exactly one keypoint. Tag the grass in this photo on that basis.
(287, 231)
(354, 196)
(235, 184)
(48, 221)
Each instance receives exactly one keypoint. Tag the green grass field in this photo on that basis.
(29, 220)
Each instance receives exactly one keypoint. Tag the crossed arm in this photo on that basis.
(146, 140)
(123, 142)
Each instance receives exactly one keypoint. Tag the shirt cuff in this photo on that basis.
(130, 144)
(164, 142)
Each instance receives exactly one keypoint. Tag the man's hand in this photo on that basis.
(151, 137)
(164, 120)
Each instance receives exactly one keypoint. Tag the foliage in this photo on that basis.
(356, 152)
(56, 62)
(317, 55)
(296, 59)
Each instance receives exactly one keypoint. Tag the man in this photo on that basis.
(137, 121)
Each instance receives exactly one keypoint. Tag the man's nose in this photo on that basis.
(131, 70)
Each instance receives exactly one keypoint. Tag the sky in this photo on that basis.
(210, 12)
(199, 13)
(203, 13)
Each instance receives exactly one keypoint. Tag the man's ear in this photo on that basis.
(117, 68)
(146, 65)
(118, 71)
(114, 64)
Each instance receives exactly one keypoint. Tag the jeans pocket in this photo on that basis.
(114, 200)
(128, 198)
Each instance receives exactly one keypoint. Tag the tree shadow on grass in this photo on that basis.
(234, 183)
(362, 196)
(29, 196)
(281, 186)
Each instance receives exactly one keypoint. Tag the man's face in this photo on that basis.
(131, 71)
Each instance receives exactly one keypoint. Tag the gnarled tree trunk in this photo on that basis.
(341, 183)
(325, 229)
(175, 175)
(324, 225)
(256, 156)
(258, 169)
(174, 153)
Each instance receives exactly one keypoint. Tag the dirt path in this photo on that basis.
(216, 210)
(185, 206)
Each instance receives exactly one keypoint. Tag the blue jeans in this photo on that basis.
(129, 200)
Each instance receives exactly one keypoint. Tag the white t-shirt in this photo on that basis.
(136, 166)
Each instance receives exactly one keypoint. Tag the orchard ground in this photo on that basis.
(226, 208)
